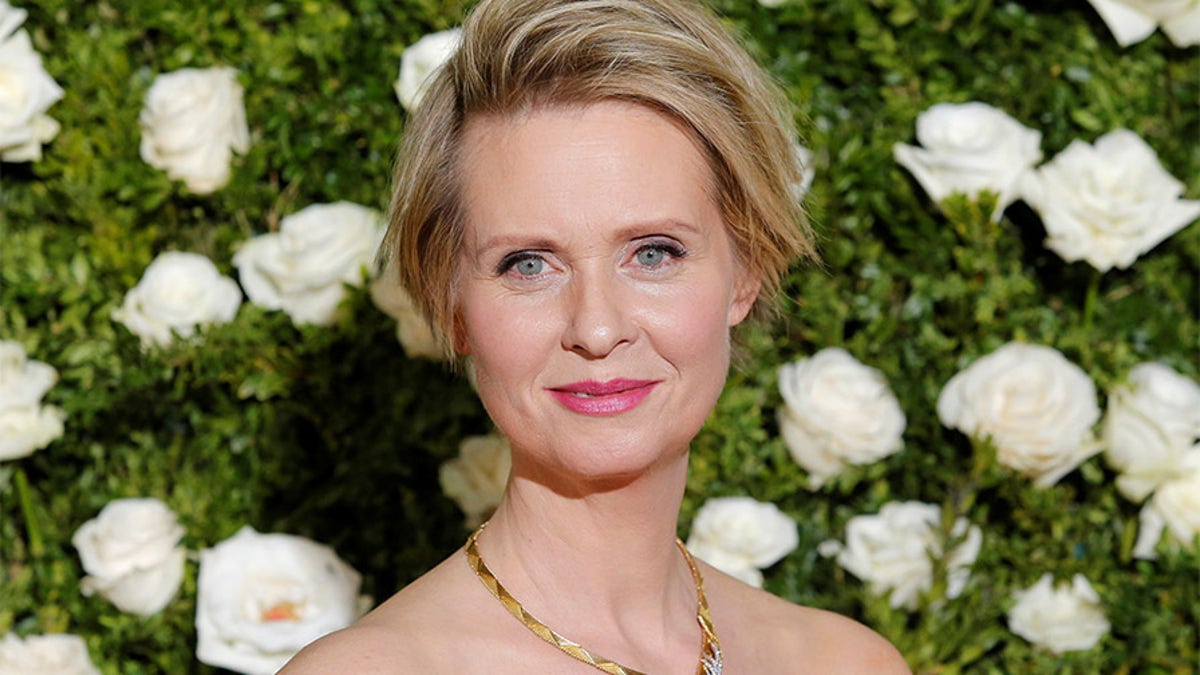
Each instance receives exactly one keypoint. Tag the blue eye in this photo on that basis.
(650, 257)
(525, 263)
(529, 267)
(655, 254)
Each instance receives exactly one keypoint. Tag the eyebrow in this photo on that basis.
(537, 242)
(511, 242)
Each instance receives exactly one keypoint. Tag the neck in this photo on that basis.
(595, 557)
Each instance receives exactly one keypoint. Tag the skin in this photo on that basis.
(594, 251)
(636, 279)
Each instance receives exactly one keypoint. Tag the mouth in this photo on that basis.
(610, 397)
(594, 388)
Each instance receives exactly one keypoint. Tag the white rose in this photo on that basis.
(1132, 21)
(22, 382)
(1178, 501)
(1150, 424)
(27, 92)
(736, 534)
(837, 412)
(1150, 530)
(1107, 203)
(263, 597)
(968, 148)
(25, 429)
(1061, 619)
(52, 654)
(1037, 408)
(477, 477)
(25, 424)
(412, 330)
(302, 268)
(132, 555)
(772, 3)
(731, 563)
(11, 18)
(421, 61)
(1175, 507)
(178, 292)
(892, 550)
(192, 123)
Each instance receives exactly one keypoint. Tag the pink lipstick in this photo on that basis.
(610, 397)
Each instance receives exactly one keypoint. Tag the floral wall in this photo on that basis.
(973, 426)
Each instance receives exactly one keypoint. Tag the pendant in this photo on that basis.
(712, 663)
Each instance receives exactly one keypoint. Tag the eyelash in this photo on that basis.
(672, 249)
(508, 262)
(512, 259)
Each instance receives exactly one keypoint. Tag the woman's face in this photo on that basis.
(597, 286)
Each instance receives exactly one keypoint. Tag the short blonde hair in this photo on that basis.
(669, 55)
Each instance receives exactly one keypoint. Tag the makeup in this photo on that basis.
(610, 397)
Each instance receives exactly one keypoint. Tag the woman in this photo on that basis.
(590, 196)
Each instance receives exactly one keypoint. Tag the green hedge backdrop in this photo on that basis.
(332, 433)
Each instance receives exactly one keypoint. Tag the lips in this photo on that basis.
(610, 397)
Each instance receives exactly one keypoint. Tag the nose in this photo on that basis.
(599, 317)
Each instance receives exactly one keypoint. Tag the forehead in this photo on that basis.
(604, 163)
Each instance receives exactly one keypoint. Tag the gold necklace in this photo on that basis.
(710, 651)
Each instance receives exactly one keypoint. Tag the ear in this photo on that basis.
(745, 292)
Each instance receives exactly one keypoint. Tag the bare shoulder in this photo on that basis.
(405, 634)
(847, 646)
(358, 649)
(807, 640)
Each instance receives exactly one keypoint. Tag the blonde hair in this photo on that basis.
(669, 55)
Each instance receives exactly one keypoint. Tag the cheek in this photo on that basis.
(504, 336)
(693, 331)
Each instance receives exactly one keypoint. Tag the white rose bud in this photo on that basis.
(739, 534)
(192, 123)
(1151, 423)
(477, 477)
(28, 91)
(1107, 203)
(412, 330)
(132, 555)
(1132, 21)
(968, 148)
(303, 268)
(1037, 408)
(421, 61)
(1061, 619)
(263, 597)
(178, 292)
(837, 412)
(52, 654)
(25, 424)
(892, 550)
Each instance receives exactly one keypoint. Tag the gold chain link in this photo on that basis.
(710, 653)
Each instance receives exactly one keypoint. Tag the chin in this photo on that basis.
(598, 466)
